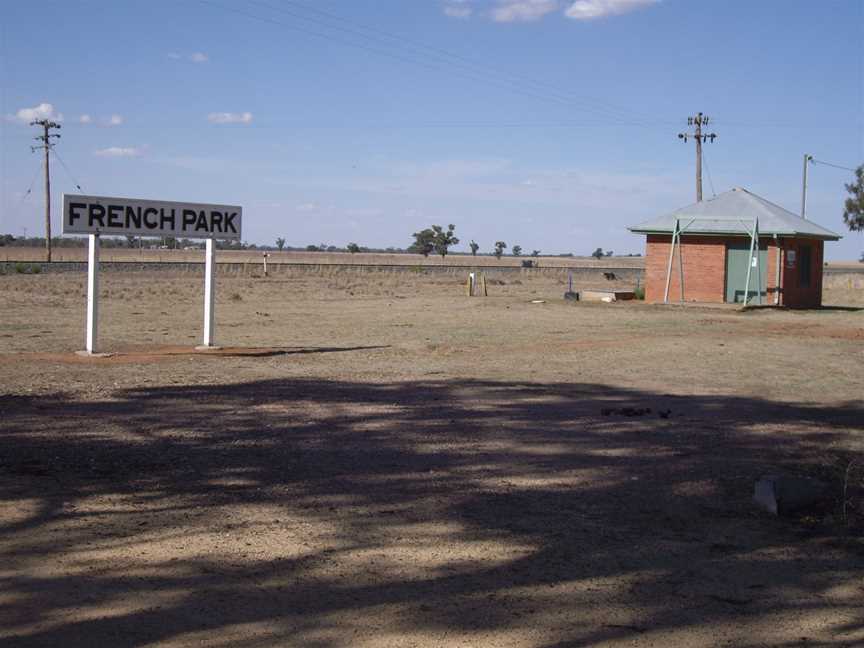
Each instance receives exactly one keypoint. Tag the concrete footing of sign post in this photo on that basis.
(89, 354)
(207, 347)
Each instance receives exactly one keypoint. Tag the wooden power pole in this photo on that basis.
(45, 138)
(698, 122)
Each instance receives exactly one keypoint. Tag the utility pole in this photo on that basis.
(698, 122)
(807, 159)
(45, 138)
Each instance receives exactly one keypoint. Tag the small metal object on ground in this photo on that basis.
(789, 494)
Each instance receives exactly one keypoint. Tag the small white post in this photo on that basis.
(92, 294)
(753, 242)
(209, 293)
(758, 262)
(671, 257)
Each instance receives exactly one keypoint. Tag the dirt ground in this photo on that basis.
(376, 460)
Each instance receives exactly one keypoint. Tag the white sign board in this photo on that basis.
(158, 218)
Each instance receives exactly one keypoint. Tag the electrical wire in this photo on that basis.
(30, 186)
(829, 164)
(68, 172)
(411, 58)
(448, 57)
(708, 171)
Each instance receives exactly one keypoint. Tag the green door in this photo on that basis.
(737, 256)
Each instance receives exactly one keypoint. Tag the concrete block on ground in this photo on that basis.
(790, 494)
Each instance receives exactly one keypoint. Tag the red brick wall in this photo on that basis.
(793, 294)
(704, 268)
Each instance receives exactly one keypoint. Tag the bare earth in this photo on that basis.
(376, 460)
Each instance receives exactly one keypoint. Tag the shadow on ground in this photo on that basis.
(539, 513)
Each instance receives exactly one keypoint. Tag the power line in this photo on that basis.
(443, 54)
(412, 58)
(829, 164)
(410, 126)
(708, 171)
(29, 187)
(65, 168)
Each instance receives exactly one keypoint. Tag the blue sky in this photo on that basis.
(551, 124)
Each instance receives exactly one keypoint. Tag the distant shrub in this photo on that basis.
(236, 297)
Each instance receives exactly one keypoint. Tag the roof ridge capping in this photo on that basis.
(739, 206)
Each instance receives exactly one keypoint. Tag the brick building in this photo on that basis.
(716, 245)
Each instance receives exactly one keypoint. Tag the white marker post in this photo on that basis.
(209, 295)
(92, 295)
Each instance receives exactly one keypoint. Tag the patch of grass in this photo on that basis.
(27, 268)
(639, 293)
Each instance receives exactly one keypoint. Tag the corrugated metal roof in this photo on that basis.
(733, 212)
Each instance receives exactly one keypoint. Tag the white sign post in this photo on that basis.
(209, 294)
(105, 216)
(92, 294)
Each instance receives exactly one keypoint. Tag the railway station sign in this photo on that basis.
(131, 216)
(101, 215)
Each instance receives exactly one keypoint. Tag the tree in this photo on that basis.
(444, 239)
(598, 253)
(131, 240)
(474, 247)
(535, 253)
(280, 243)
(609, 253)
(517, 250)
(500, 246)
(853, 212)
(312, 248)
(353, 248)
(424, 242)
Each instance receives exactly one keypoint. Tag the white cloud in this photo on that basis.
(458, 9)
(112, 120)
(523, 10)
(195, 57)
(42, 111)
(230, 118)
(308, 207)
(593, 9)
(119, 151)
(510, 11)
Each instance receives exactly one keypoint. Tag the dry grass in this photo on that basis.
(377, 460)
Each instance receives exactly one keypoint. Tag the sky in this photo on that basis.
(551, 124)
